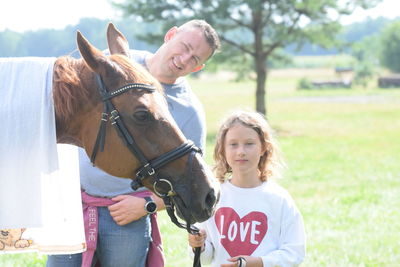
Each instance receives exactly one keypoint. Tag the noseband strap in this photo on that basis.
(166, 158)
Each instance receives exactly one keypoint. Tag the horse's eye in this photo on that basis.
(142, 116)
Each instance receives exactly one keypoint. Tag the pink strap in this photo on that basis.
(155, 256)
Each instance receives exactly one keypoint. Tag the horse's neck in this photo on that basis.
(71, 97)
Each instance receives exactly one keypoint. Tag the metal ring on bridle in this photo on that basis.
(170, 193)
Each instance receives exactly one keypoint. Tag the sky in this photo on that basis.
(25, 15)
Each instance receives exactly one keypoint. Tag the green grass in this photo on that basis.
(343, 169)
(343, 166)
(22, 260)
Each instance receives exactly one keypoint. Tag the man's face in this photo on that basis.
(185, 51)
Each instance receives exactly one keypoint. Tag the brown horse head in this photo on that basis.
(145, 115)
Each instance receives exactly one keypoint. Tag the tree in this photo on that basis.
(254, 27)
(390, 47)
(8, 43)
(366, 54)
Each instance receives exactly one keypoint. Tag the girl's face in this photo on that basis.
(243, 150)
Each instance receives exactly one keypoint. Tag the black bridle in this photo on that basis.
(148, 167)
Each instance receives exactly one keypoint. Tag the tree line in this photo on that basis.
(54, 43)
(51, 42)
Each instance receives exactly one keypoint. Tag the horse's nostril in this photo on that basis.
(210, 199)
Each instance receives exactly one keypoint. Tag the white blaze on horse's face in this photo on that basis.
(147, 119)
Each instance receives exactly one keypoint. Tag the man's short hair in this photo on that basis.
(209, 32)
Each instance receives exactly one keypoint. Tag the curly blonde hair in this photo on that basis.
(270, 164)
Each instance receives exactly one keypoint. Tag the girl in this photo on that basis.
(256, 222)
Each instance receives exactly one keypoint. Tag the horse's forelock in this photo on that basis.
(66, 76)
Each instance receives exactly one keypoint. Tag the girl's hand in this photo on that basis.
(197, 240)
(248, 262)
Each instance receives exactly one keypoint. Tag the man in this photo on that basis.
(124, 228)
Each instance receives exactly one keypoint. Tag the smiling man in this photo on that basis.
(185, 50)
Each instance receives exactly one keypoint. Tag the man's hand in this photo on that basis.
(128, 209)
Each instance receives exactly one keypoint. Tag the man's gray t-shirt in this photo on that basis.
(189, 115)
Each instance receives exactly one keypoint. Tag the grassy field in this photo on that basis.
(343, 153)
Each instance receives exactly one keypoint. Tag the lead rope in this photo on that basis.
(191, 229)
(169, 206)
(197, 250)
(196, 260)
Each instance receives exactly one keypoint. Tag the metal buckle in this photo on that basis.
(151, 170)
(146, 170)
(104, 116)
(114, 115)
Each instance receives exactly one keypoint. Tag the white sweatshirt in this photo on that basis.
(262, 221)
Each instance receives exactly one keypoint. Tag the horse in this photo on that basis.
(116, 111)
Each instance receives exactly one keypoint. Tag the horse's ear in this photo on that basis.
(117, 42)
(93, 57)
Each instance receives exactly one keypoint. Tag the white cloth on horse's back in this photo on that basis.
(28, 145)
(40, 197)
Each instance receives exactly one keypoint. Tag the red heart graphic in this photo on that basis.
(240, 236)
